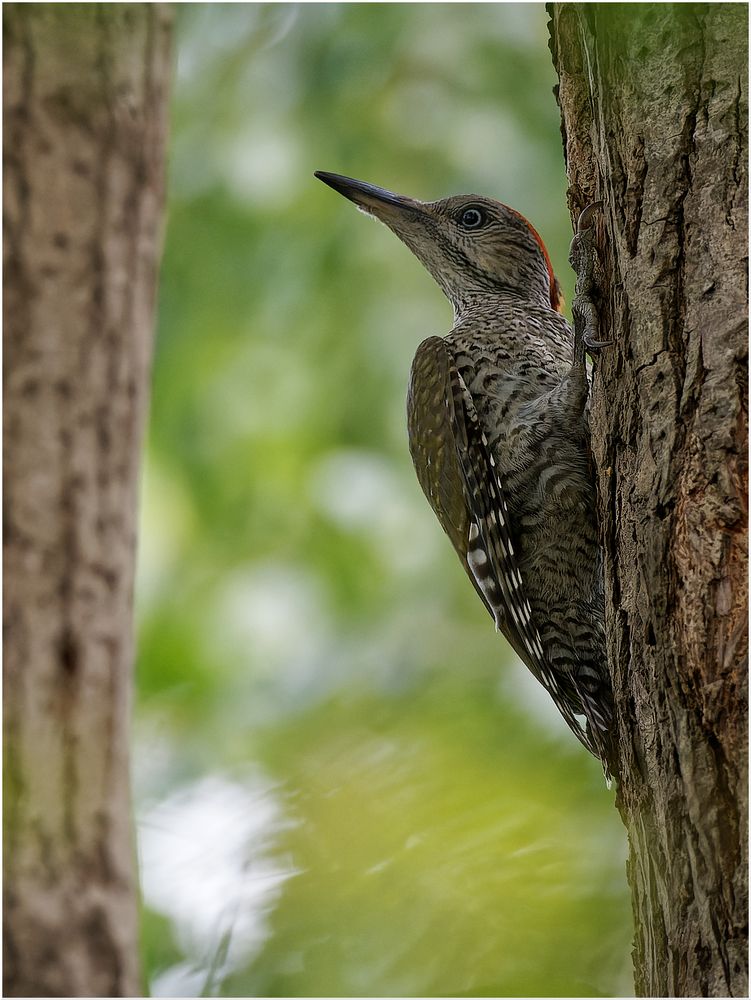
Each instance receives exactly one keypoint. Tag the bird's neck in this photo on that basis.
(482, 306)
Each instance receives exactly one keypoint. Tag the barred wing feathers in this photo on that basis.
(457, 473)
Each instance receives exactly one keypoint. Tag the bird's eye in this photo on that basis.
(472, 218)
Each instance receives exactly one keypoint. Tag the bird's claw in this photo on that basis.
(583, 259)
(586, 215)
(596, 345)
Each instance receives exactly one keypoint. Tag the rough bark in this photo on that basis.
(653, 100)
(85, 121)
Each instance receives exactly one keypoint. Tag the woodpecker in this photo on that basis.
(498, 433)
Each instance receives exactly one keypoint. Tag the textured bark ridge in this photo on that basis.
(85, 121)
(653, 100)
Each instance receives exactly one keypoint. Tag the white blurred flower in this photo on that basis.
(206, 863)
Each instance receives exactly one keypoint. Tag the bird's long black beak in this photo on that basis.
(375, 200)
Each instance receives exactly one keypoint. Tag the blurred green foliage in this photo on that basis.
(345, 783)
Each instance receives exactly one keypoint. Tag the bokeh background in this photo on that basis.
(345, 783)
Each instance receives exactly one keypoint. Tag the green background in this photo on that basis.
(345, 784)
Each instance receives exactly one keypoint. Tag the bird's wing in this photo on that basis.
(433, 446)
(458, 475)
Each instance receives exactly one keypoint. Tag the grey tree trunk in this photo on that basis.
(85, 100)
(653, 100)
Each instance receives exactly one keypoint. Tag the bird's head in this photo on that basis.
(473, 246)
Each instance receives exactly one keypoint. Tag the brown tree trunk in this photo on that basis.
(654, 106)
(85, 97)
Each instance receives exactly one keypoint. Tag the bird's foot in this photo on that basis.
(583, 259)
